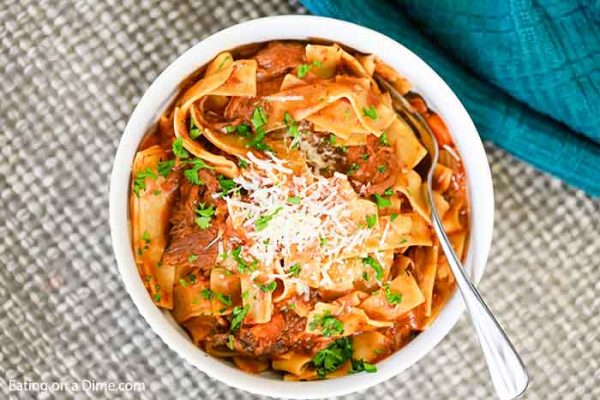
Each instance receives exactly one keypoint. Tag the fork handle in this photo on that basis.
(508, 373)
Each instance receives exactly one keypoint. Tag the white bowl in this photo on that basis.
(425, 81)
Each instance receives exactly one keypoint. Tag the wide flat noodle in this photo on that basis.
(303, 101)
(190, 300)
(377, 305)
(353, 319)
(259, 302)
(150, 223)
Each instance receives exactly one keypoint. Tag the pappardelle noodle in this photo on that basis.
(278, 211)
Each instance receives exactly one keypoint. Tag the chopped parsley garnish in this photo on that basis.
(229, 129)
(262, 222)
(388, 192)
(381, 168)
(370, 112)
(353, 168)
(224, 298)
(365, 276)
(295, 269)
(360, 366)
(195, 132)
(165, 167)
(139, 183)
(332, 140)
(192, 257)
(333, 356)
(206, 294)
(239, 314)
(302, 70)
(322, 241)
(292, 125)
(148, 277)
(192, 173)
(391, 297)
(204, 215)
(243, 163)
(328, 323)
(293, 200)
(242, 264)
(156, 192)
(243, 130)
(230, 342)
(371, 262)
(268, 287)
(192, 278)
(157, 297)
(371, 220)
(183, 282)
(384, 140)
(179, 150)
(364, 156)
(259, 120)
(146, 237)
(228, 185)
(381, 201)
(393, 217)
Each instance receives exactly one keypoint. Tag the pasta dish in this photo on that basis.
(278, 211)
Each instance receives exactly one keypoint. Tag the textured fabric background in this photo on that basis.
(520, 67)
(71, 74)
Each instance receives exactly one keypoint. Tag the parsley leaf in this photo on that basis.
(192, 174)
(384, 140)
(268, 287)
(391, 297)
(371, 220)
(295, 270)
(370, 112)
(381, 201)
(388, 192)
(195, 132)
(139, 182)
(371, 262)
(381, 168)
(228, 185)
(259, 120)
(224, 298)
(353, 168)
(243, 130)
(243, 163)
(292, 125)
(179, 150)
(242, 264)
(302, 70)
(239, 314)
(333, 356)
(192, 257)
(165, 167)
(332, 140)
(262, 222)
(360, 366)
(329, 324)
(204, 215)
(393, 217)
(230, 342)
(207, 294)
(293, 200)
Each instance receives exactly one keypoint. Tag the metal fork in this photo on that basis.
(508, 372)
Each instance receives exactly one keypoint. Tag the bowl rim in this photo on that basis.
(302, 27)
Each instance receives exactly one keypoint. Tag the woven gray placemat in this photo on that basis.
(71, 73)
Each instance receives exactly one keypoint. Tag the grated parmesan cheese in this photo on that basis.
(318, 228)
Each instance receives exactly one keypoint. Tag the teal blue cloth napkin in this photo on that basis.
(527, 71)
